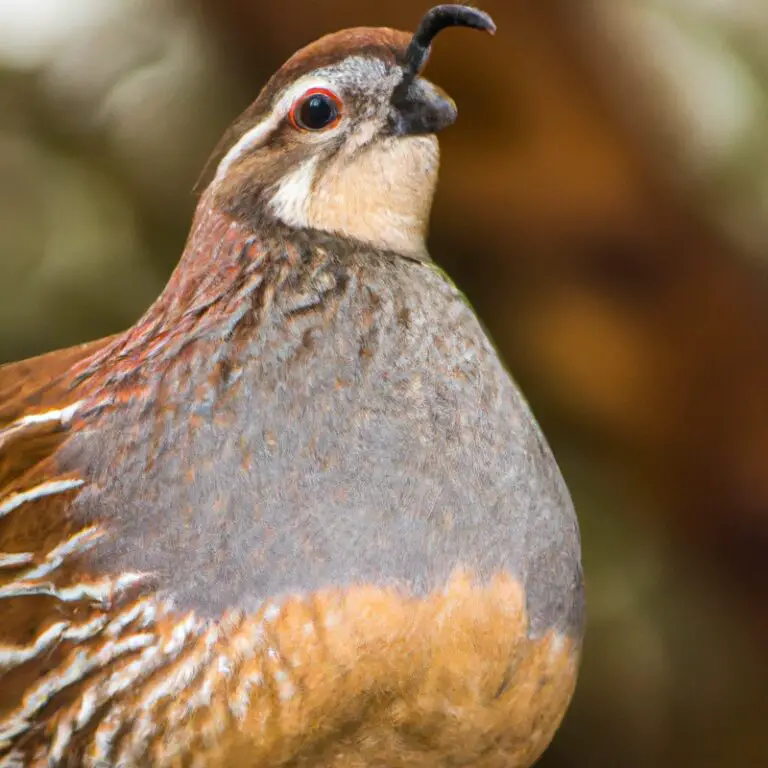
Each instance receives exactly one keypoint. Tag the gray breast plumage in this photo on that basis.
(354, 425)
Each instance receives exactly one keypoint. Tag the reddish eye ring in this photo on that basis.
(317, 110)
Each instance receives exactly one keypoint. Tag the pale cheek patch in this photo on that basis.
(381, 195)
(291, 201)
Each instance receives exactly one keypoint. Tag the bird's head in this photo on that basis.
(342, 137)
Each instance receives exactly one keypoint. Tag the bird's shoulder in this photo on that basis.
(38, 399)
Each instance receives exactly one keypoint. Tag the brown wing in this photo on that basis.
(30, 390)
(36, 405)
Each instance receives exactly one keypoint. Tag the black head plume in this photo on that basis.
(436, 20)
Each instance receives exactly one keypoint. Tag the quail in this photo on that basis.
(298, 514)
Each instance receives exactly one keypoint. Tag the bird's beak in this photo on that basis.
(419, 107)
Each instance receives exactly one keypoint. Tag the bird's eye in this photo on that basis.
(317, 110)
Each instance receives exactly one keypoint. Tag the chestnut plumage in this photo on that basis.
(299, 513)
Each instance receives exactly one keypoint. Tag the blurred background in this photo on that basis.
(604, 204)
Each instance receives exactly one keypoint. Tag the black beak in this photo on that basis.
(418, 106)
(421, 108)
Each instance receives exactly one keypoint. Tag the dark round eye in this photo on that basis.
(316, 110)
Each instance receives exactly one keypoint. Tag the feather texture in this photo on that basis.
(298, 514)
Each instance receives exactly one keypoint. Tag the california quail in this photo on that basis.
(298, 514)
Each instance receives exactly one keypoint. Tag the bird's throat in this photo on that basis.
(380, 196)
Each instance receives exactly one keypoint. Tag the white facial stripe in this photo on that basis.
(352, 73)
(290, 203)
(260, 132)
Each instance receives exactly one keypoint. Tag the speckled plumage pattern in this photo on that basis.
(333, 417)
(299, 514)
(364, 421)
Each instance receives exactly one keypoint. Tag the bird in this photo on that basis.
(298, 514)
